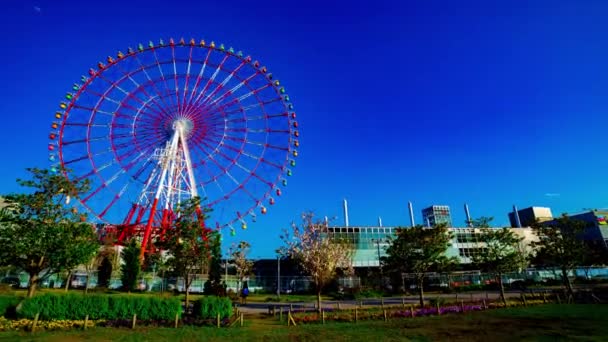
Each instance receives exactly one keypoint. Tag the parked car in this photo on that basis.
(12, 281)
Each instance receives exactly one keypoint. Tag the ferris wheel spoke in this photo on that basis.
(85, 124)
(251, 106)
(267, 182)
(75, 160)
(210, 81)
(257, 118)
(187, 76)
(234, 89)
(128, 95)
(144, 166)
(202, 165)
(221, 85)
(214, 161)
(150, 81)
(177, 101)
(112, 202)
(199, 77)
(255, 200)
(120, 158)
(265, 161)
(242, 109)
(92, 110)
(141, 87)
(160, 70)
(80, 141)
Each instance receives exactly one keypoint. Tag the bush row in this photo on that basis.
(209, 307)
(77, 306)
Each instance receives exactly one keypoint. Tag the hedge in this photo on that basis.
(209, 307)
(109, 307)
(8, 304)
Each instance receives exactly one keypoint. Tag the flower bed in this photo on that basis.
(26, 324)
(377, 313)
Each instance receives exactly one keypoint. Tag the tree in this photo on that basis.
(499, 254)
(39, 234)
(419, 250)
(131, 267)
(316, 252)
(213, 285)
(104, 272)
(187, 244)
(238, 253)
(482, 222)
(561, 245)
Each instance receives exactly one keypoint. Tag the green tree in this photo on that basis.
(319, 254)
(131, 267)
(39, 234)
(104, 272)
(500, 253)
(213, 285)
(561, 245)
(482, 222)
(419, 250)
(186, 244)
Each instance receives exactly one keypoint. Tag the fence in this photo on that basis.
(299, 284)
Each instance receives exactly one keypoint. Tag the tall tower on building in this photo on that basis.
(437, 214)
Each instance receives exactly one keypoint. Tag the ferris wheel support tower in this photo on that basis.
(175, 182)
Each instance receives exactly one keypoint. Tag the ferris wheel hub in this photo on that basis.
(184, 125)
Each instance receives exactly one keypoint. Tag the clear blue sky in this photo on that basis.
(492, 103)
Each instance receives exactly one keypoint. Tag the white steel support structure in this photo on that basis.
(172, 179)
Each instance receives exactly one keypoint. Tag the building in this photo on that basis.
(597, 229)
(465, 242)
(529, 216)
(371, 242)
(436, 214)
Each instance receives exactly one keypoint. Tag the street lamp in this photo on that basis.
(278, 251)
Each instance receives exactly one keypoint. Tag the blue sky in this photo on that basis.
(492, 103)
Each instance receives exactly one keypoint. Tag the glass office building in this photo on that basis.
(437, 214)
(370, 242)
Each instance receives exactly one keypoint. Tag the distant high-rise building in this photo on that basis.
(437, 214)
(530, 215)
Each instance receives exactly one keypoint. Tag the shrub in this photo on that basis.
(110, 307)
(437, 301)
(8, 305)
(209, 307)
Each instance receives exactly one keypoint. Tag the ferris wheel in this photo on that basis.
(163, 123)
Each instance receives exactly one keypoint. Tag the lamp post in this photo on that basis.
(278, 273)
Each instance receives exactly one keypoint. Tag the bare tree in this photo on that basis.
(319, 254)
(238, 253)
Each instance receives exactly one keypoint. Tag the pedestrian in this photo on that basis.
(244, 293)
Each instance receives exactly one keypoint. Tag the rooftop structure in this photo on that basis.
(437, 214)
(528, 216)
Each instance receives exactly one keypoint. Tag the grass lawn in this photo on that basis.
(539, 323)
